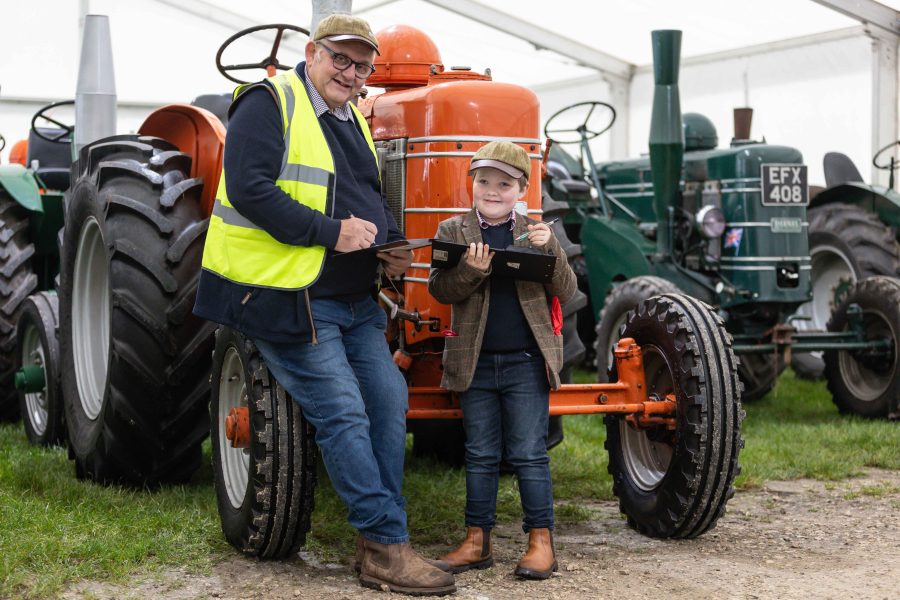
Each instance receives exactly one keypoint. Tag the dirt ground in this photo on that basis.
(796, 539)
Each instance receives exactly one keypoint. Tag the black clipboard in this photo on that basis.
(395, 245)
(527, 264)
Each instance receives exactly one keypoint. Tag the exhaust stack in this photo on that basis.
(743, 118)
(95, 95)
(666, 133)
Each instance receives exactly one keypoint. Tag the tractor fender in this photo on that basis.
(883, 202)
(20, 184)
(198, 133)
(614, 251)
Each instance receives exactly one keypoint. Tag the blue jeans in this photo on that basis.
(505, 415)
(352, 392)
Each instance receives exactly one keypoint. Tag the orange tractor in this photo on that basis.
(136, 362)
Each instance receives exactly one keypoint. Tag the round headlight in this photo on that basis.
(710, 222)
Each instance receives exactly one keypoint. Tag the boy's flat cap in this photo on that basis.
(340, 27)
(505, 156)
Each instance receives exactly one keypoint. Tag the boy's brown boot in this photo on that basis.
(398, 568)
(474, 553)
(539, 561)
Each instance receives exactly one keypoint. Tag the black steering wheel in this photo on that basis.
(68, 131)
(270, 63)
(587, 130)
(892, 165)
(2, 142)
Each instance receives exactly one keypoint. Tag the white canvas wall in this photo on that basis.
(815, 98)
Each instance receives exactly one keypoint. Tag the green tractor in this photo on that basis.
(31, 217)
(853, 234)
(729, 226)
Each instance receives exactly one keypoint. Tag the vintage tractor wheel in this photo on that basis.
(675, 483)
(619, 302)
(17, 281)
(847, 243)
(759, 372)
(264, 492)
(37, 380)
(135, 360)
(867, 382)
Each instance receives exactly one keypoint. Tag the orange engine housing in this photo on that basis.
(427, 126)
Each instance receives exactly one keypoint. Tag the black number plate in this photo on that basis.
(784, 185)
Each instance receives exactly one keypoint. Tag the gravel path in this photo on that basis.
(795, 539)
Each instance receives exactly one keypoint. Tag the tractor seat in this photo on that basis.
(217, 104)
(54, 160)
(839, 169)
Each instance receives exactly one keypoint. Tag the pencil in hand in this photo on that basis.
(525, 235)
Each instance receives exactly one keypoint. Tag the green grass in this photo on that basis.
(57, 530)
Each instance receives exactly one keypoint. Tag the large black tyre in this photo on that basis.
(135, 360)
(674, 484)
(621, 301)
(17, 281)
(847, 243)
(759, 372)
(264, 493)
(863, 382)
(38, 345)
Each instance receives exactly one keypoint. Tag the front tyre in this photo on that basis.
(866, 382)
(264, 493)
(675, 483)
(40, 400)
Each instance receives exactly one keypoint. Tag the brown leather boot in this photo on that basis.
(475, 552)
(539, 561)
(398, 568)
(360, 550)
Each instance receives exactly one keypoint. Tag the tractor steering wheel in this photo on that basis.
(270, 63)
(2, 142)
(63, 137)
(892, 165)
(588, 129)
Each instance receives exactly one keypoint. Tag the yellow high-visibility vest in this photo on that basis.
(241, 251)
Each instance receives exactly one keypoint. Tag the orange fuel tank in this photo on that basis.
(427, 125)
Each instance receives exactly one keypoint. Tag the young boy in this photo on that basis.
(504, 359)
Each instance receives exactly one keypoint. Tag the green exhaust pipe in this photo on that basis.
(666, 134)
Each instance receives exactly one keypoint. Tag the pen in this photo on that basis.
(525, 235)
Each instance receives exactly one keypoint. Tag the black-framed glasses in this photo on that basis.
(341, 62)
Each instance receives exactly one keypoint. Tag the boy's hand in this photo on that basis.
(479, 256)
(539, 234)
(396, 262)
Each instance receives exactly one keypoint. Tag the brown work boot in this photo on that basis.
(539, 561)
(475, 552)
(398, 568)
(358, 557)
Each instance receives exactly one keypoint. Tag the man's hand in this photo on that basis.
(396, 262)
(479, 256)
(356, 234)
(539, 234)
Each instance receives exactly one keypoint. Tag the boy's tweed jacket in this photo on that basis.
(467, 289)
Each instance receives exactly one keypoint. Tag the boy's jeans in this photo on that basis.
(505, 414)
(352, 392)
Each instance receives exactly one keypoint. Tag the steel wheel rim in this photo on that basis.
(90, 317)
(35, 402)
(864, 383)
(235, 462)
(647, 461)
(831, 272)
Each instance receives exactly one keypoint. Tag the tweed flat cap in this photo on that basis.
(506, 156)
(340, 27)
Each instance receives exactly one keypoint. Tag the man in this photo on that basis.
(300, 184)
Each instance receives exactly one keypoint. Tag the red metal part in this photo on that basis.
(197, 132)
(627, 396)
(237, 427)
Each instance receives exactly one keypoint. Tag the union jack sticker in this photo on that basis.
(733, 238)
